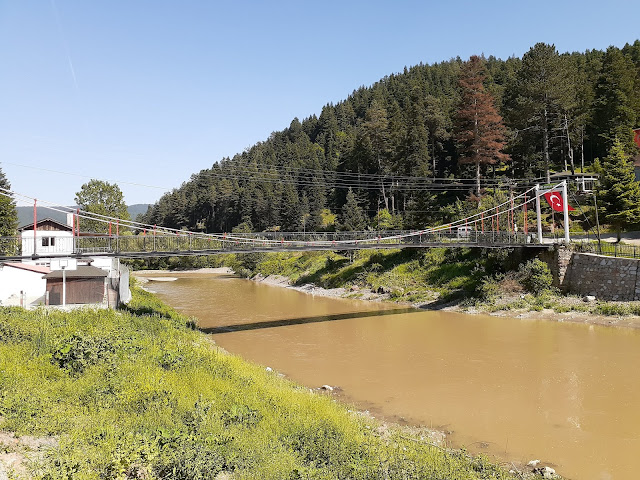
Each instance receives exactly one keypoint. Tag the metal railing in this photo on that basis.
(193, 243)
(608, 249)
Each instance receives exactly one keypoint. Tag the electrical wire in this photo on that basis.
(341, 180)
(238, 238)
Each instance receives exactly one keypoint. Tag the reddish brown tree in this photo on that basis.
(480, 131)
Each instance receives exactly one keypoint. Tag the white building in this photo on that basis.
(49, 237)
(22, 284)
(27, 282)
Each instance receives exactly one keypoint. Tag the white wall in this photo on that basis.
(108, 264)
(13, 280)
(63, 242)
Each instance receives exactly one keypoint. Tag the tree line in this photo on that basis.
(384, 157)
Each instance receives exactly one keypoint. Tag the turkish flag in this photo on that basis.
(555, 200)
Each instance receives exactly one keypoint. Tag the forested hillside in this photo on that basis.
(386, 156)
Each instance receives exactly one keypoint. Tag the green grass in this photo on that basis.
(140, 394)
(552, 300)
(409, 275)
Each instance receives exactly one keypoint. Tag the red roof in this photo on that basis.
(32, 268)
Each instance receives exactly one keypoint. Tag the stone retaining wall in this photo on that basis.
(607, 278)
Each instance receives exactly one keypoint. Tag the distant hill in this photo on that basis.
(25, 214)
(137, 209)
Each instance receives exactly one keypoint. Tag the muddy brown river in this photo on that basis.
(515, 389)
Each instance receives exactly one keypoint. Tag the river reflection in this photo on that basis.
(567, 394)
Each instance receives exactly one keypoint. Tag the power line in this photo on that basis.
(342, 180)
(473, 219)
(73, 174)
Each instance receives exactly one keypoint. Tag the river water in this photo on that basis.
(515, 389)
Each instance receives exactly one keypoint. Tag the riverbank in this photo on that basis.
(497, 283)
(570, 305)
(139, 393)
(438, 279)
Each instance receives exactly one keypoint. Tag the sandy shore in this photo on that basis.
(626, 321)
(151, 273)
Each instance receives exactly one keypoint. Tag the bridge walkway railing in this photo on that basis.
(276, 241)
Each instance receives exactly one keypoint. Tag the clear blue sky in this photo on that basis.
(151, 91)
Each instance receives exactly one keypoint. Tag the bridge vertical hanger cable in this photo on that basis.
(366, 237)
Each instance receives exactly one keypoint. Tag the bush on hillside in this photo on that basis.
(536, 276)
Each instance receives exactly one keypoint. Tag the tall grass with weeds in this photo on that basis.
(138, 393)
(408, 275)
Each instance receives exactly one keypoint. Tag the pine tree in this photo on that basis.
(538, 97)
(352, 218)
(291, 214)
(438, 125)
(619, 192)
(8, 216)
(480, 131)
(615, 99)
(376, 127)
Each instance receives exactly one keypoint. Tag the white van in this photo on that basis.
(464, 232)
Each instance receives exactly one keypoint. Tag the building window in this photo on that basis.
(48, 241)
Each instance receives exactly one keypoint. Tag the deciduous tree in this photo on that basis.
(102, 198)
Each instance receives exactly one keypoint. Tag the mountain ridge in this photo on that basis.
(25, 214)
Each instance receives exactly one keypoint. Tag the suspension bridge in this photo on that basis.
(505, 225)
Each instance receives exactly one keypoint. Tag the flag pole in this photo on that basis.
(565, 211)
(538, 215)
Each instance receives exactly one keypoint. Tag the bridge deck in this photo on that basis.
(146, 246)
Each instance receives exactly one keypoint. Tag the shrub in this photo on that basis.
(170, 360)
(612, 308)
(488, 289)
(536, 276)
(79, 352)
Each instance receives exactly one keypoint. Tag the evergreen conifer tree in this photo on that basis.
(291, 214)
(615, 98)
(619, 192)
(540, 92)
(8, 215)
(352, 218)
(479, 130)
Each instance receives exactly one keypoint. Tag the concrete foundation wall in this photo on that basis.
(606, 278)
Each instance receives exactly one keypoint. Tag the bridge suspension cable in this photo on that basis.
(489, 214)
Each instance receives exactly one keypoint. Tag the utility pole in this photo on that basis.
(595, 204)
(35, 223)
(565, 211)
(538, 215)
(64, 287)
